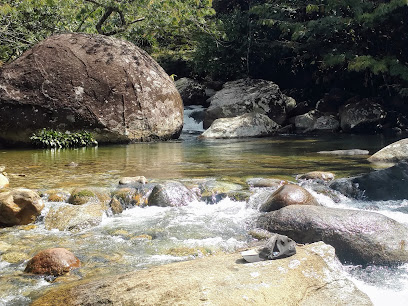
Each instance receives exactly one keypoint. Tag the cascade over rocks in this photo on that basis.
(246, 125)
(19, 207)
(249, 95)
(385, 184)
(75, 81)
(358, 236)
(313, 276)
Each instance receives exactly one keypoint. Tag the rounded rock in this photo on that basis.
(55, 261)
(287, 195)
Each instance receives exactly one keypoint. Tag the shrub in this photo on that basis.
(55, 139)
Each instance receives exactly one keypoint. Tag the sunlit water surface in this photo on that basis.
(143, 237)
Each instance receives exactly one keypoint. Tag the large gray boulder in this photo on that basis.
(100, 84)
(248, 95)
(364, 116)
(358, 236)
(313, 276)
(392, 153)
(385, 184)
(246, 125)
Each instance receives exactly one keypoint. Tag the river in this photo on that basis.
(142, 237)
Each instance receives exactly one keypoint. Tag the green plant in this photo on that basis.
(55, 139)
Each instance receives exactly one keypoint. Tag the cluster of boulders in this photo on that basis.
(337, 111)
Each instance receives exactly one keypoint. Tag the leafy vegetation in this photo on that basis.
(55, 139)
(152, 24)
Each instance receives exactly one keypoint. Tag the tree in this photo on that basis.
(149, 23)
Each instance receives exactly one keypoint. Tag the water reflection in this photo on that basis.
(282, 157)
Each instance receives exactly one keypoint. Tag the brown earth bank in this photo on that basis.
(313, 276)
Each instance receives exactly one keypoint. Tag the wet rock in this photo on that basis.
(115, 206)
(227, 281)
(170, 193)
(385, 184)
(392, 153)
(212, 191)
(287, 195)
(265, 182)
(128, 180)
(67, 217)
(247, 125)
(4, 182)
(191, 92)
(19, 206)
(317, 175)
(364, 116)
(133, 194)
(246, 96)
(327, 123)
(96, 83)
(56, 195)
(358, 236)
(56, 262)
(345, 152)
(306, 121)
(81, 196)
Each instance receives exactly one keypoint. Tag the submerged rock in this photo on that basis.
(247, 125)
(265, 182)
(313, 276)
(170, 193)
(67, 217)
(56, 262)
(288, 194)
(385, 184)
(19, 207)
(249, 95)
(392, 153)
(317, 175)
(358, 236)
(345, 152)
(96, 83)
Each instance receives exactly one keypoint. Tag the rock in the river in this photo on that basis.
(364, 116)
(4, 182)
(317, 175)
(265, 182)
(249, 95)
(191, 92)
(170, 193)
(313, 276)
(392, 153)
(345, 152)
(19, 206)
(327, 123)
(67, 217)
(288, 194)
(385, 184)
(128, 180)
(306, 121)
(56, 262)
(358, 236)
(89, 82)
(247, 125)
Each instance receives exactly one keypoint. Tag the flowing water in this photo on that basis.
(143, 237)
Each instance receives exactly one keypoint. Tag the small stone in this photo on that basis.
(55, 261)
(317, 175)
(132, 180)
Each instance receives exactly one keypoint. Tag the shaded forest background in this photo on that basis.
(307, 47)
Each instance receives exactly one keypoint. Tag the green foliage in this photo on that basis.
(148, 23)
(55, 139)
